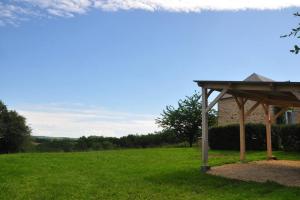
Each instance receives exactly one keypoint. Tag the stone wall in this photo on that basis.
(297, 113)
(229, 112)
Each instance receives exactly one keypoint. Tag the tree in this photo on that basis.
(82, 144)
(185, 120)
(14, 133)
(294, 33)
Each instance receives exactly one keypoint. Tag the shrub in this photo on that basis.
(228, 137)
(290, 137)
(224, 137)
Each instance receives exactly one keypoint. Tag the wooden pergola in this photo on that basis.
(284, 95)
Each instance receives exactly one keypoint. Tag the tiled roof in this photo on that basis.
(258, 78)
(252, 78)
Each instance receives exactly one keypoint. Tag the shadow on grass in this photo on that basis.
(194, 181)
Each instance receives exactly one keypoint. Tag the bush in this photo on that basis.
(224, 137)
(290, 137)
(228, 137)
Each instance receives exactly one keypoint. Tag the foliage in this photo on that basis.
(151, 140)
(228, 137)
(285, 137)
(54, 145)
(294, 33)
(185, 120)
(94, 143)
(14, 133)
(138, 174)
(290, 137)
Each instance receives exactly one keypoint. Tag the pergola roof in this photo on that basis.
(264, 91)
(284, 94)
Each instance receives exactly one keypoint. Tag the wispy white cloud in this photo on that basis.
(78, 120)
(66, 8)
(12, 11)
(195, 5)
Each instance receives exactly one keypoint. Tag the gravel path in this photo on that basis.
(285, 172)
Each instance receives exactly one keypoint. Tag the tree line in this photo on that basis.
(181, 126)
(95, 143)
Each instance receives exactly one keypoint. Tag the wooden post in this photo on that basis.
(268, 131)
(242, 131)
(241, 105)
(205, 165)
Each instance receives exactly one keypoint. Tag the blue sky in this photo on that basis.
(111, 70)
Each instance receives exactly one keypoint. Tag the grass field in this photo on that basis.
(160, 173)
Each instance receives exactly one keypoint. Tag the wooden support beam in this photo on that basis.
(240, 101)
(210, 92)
(204, 125)
(252, 109)
(264, 107)
(239, 104)
(268, 131)
(216, 100)
(282, 101)
(273, 119)
(242, 130)
(296, 94)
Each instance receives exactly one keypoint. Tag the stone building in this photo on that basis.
(228, 112)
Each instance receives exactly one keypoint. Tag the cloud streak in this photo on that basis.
(14, 11)
(77, 120)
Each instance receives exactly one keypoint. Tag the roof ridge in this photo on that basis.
(258, 78)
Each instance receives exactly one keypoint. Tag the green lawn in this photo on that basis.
(161, 173)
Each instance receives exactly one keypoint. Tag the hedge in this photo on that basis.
(228, 137)
(290, 137)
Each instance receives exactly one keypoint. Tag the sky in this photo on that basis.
(109, 67)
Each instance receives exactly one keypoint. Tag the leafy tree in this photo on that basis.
(14, 133)
(82, 144)
(164, 137)
(185, 120)
(294, 33)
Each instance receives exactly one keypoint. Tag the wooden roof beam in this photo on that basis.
(216, 100)
(264, 98)
(279, 113)
(296, 94)
(249, 86)
(252, 109)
